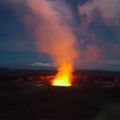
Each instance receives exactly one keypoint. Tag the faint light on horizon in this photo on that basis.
(44, 64)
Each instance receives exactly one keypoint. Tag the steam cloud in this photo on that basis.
(108, 8)
(53, 31)
(51, 21)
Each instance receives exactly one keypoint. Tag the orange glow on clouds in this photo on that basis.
(55, 37)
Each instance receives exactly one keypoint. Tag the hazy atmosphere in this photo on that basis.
(87, 30)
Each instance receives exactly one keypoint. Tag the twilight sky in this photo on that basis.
(95, 23)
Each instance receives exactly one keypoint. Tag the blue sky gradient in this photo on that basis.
(17, 47)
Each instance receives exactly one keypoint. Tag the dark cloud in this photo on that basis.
(99, 28)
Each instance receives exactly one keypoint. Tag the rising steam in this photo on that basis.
(55, 37)
(50, 20)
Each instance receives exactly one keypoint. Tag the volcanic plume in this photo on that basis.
(55, 36)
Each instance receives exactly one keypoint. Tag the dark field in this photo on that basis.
(20, 101)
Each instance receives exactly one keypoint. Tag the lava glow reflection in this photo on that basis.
(63, 77)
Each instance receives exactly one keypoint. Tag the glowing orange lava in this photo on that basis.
(64, 76)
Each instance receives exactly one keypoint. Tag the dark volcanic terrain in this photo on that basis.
(20, 100)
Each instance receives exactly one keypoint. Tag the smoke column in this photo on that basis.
(54, 33)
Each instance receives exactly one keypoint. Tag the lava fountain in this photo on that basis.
(63, 77)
